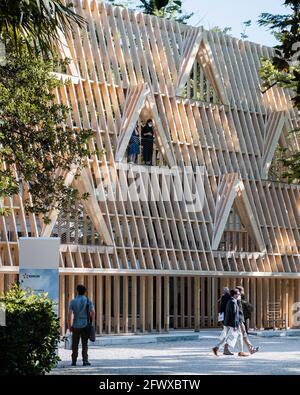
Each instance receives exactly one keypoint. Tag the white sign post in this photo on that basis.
(39, 262)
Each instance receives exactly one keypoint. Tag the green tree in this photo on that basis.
(169, 9)
(35, 142)
(284, 68)
(35, 23)
(29, 341)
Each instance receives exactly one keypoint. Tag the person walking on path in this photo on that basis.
(134, 146)
(232, 325)
(147, 142)
(240, 303)
(80, 309)
(222, 303)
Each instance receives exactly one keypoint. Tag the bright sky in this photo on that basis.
(233, 13)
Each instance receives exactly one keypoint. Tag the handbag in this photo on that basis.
(68, 340)
(90, 329)
(220, 317)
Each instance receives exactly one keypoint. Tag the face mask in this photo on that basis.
(239, 297)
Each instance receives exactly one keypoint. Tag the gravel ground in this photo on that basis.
(277, 356)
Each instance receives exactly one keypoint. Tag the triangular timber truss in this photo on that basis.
(83, 184)
(137, 97)
(196, 47)
(231, 191)
(273, 131)
(65, 53)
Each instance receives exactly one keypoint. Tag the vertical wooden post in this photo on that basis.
(297, 301)
(142, 303)
(99, 304)
(117, 304)
(189, 302)
(253, 302)
(166, 303)
(1, 283)
(158, 303)
(209, 304)
(216, 297)
(125, 304)
(272, 290)
(259, 303)
(182, 302)
(203, 301)
(291, 298)
(265, 300)
(133, 304)
(197, 303)
(175, 289)
(90, 287)
(284, 289)
(149, 303)
(62, 297)
(108, 305)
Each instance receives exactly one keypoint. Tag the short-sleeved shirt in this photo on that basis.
(79, 308)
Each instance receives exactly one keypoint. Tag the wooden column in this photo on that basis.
(108, 305)
(125, 304)
(166, 303)
(62, 300)
(297, 301)
(80, 280)
(142, 303)
(197, 303)
(203, 301)
(189, 302)
(158, 303)
(253, 302)
(291, 298)
(149, 302)
(175, 289)
(99, 304)
(265, 299)
(1, 283)
(117, 304)
(209, 304)
(284, 290)
(272, 290)
(216, 297)
(70, 288)
(133, 304)
(259, 303)
(90, 287)
(182, 302)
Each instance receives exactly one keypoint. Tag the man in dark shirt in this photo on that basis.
(82, 309)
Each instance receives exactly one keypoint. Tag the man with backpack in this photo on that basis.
(82, 310)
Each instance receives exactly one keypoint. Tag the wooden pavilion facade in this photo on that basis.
(158, 264)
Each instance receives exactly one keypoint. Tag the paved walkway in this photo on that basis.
(277, 356)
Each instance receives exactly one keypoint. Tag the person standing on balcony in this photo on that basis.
(81, 309)
(134, 146)
(147, 142)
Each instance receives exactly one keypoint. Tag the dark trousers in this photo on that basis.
(148, 151)
(79, 333)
